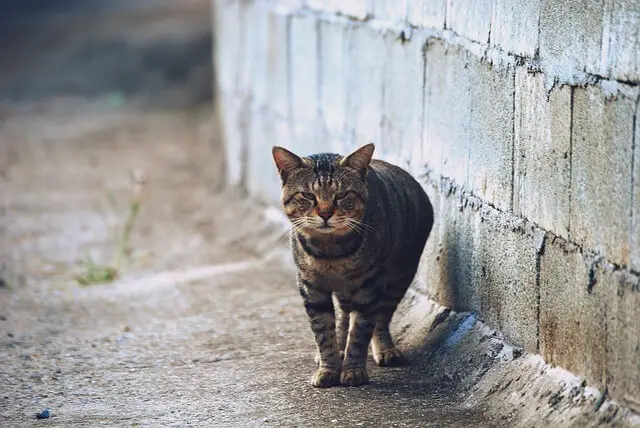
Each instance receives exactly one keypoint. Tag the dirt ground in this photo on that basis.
(204, 326)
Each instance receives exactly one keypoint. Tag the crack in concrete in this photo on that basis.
(571, 122)
(448, 188)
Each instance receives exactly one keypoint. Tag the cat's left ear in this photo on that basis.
(359, 159)
(286, 161)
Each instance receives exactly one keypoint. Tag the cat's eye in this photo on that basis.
(309, 196)
(340, 196)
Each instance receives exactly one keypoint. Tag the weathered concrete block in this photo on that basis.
(392, 11)
(228, 44)
(478, 259)
(264, 132)
(446, 269)
(623, 29)
(514, 26)
(446, 111)
(571, 37)
(254, 76)
(542, 153)
(277, 66)
(365, 80)
(318, 4)
(401, 141)
(334, 65)
(427, 13)
(303, 60)
(289, 6)
(260, 171)
(470, 18)
(309, 137)
(430, 275)
(623, 340)
(635, 219)
(491, 133)
(358, 9)
(572, 313)
(602, 151)
(233, 121)
(468, 122)
(504, 275)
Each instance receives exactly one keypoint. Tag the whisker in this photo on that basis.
(355, 227)
(365, 225)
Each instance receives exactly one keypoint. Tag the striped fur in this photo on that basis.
(358, 230)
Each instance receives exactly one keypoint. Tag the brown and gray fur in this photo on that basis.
(358, 230)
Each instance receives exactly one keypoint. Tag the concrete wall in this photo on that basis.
(519, 118)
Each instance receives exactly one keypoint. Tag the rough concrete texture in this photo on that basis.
(571, 37)
(514, 26)
(471, 19)
(491, 133)
(468, 115)
(483, 261)
(359, 9)
(504, 273)
(446, 270)
(253, 87)
(446, 101)
(334, 61)
(277, 72)
(572, 312)
(393, 12)
(365, 77)
(635, 197)
(303, 63)
(542, 156)
(601, 171)
(427, 13)
(231, 108)
(304, 83)
(401, 139)
(500, 134)
(623, 318)
(623, 31)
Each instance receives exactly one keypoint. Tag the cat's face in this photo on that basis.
(324, 193)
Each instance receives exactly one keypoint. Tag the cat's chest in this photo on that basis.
(334, 276)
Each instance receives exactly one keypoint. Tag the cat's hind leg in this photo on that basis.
(384, 350)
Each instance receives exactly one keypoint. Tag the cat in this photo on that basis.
(358, 229)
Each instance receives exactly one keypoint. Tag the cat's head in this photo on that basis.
(324, 193)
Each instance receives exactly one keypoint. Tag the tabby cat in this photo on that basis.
(358, 230)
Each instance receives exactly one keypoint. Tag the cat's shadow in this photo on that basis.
(434, 365)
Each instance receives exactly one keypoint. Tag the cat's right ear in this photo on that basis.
(359, 159)
(286, 161)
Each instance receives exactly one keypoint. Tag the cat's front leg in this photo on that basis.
(362, 323)
(319, 307)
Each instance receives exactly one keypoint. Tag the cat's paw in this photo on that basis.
(391, 357)
(325, 378)
(354, 377)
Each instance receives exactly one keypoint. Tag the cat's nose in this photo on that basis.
(325, 215)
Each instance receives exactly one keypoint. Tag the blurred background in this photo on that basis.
(92, 92)
(145, 53)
